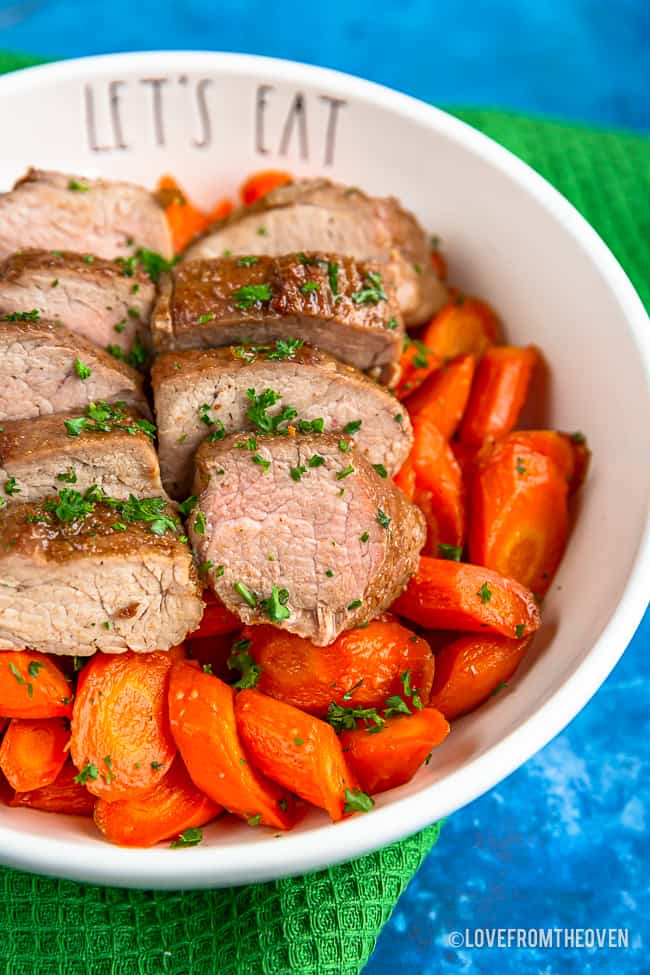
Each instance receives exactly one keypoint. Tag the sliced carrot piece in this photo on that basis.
(554, 445)
(438, 485)
(33, 752)
(121, 742)
(221, 209)
(64, 795)
(32, 686)
(442, 397)
(202, 716)
(259, 184)
(471, 669)
(498, 393)
(297, 750)
(447, 595)
(360, 669)
(392, 756)
(416, 363)
(217, 620)
(466, 326)
(520, 518)
(174, 805)
(184, 219)
(405, 479)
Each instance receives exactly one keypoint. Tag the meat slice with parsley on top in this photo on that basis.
(301, 531)
(209, 393)
(333, 302)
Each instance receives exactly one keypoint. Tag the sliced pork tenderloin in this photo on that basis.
(59, 211)
(78, 576)
(332, 302)
(207, 393)
(90, 296)
(317, 215)
(41, 455)
(46, 368)
(298, 532)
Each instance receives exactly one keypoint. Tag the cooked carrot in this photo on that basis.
(438, 485)
(297, 750)
(416, 363)
(360, 669)
(221, 209)
(121, 742)
(442, 397)
(64, 795)
(520, 519)
(447, 595)
(498, 393)
(392, 756)
(554, 445)
(405, 479)
(471, 669)
(32, 686)
(184, 219)
(217, 620)
(259, 184)
(466, 326)
(174, 805)
(33, 752)
(202, 717)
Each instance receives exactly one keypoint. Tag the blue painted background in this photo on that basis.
(564, 841)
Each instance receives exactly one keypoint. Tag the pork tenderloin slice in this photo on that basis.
(39, 456)
(94, 298)
(200, 393)
(38, 374)
(227, 301)
(60, 211)
(318, 215)
(299, 515)
(82, 586)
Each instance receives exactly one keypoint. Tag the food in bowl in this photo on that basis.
(291, 619)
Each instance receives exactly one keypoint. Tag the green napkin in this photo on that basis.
(325, 923)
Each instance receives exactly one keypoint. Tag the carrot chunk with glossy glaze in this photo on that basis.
(442, 397)
(498, 393)
(64, 795)
(33, 752)
(466, 326)
(32, 686)
(439, 491)
(259, 184)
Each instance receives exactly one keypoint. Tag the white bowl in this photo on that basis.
(211, 119)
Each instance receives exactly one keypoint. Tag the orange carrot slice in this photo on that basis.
(438, 485)
(466, 326)
(498, 393)
(259, 184)
(64, 795)
(32, 686)
(442, 397)
(33, 752)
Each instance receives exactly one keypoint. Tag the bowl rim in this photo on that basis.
(326, 845)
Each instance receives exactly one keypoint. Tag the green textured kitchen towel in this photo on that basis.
(325, 923)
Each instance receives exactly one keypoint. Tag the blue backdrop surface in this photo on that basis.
(563, 842)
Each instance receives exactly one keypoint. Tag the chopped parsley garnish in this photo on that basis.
(82, 369)
(189, 837)
(381, 470)
(345, 472)
(578, 438)
(187, 507)
(259, 460)
(520, 467)
(68, 477)
(299, 742)
(23, 316)
(252, 294)
(247, 261)
(297, 472)
(352, 427)
(21, 680)
(151, 511)
(151, 262)
(199, 523)
(11, 487)
(119, 328)
(399, 418)
(34, 667)
(333, 276)
(365, 537)
(220, 570)
(373, 293)
(88, 258)
(102, 417)
(207, 566)
(392, 324)
(78, 187)
(245, 594)
(344, 446)
(501, 686)
(312, 426)
(275, 606)
(254, 820)
(329, 573)
(453, 553)
(410, 691)
(485, 593)
(241, 660)
(284, 348)
(257, 411)
(357, 801)
(309, 286)
(70, 506)
(354, 604)
(262, 231)
(420, 360)
(156, 766)
(315, 461)
(137, 356)
(87, 772)
(383, 518)
(208, 317)
(519, 631)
